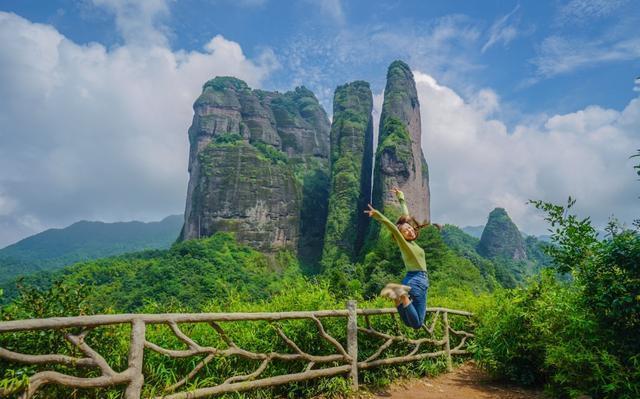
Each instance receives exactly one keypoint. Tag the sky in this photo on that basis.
(519, 100)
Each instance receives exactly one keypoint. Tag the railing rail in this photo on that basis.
(344, 360)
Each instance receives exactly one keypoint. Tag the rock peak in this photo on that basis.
(258, 164)
(399, 67)
(501, 237)
(226, 82)
(400, 161)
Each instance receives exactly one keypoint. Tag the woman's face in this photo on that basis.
(407, 231)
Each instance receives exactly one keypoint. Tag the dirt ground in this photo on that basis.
(465, 382)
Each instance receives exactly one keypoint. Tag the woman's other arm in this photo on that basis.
(403, 203)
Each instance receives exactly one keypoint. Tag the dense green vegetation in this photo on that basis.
(189, 274)
(577, 337)
(213, 275)
(271, 153)
(313, 213)
(396, 141)
(55, 248)
(464, 245)
(351, 138)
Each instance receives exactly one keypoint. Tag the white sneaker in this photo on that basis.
(389, 292)
(399, 289)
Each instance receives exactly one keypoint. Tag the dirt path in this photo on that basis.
(465, 382)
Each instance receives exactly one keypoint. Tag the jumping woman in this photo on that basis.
(410, 297)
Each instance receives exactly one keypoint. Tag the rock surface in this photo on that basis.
(258, 167)
(400, 161)
(501, 238)
(351, 166)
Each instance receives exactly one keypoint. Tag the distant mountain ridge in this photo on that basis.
(474, 231)
(55, 248)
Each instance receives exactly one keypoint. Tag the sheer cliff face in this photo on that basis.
(400, 161)
(501, 238)
(351, 163)
(258, 166)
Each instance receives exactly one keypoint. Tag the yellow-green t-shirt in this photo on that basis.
(412, 253)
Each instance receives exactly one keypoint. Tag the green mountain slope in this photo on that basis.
(514, 255)
(501, 237)
(55, 248)
(188, 274)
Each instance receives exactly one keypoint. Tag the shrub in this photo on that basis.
(577, 337)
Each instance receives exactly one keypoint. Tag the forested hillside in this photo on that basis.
(55, 248)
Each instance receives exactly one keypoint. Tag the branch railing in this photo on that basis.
(343, 360)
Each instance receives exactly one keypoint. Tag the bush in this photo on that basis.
(577, 337)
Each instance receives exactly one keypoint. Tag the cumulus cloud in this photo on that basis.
(138, 21)
(96, 133)
(476, 164)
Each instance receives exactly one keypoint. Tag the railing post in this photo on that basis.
(136, 354)
(352, 342)
(447, 344)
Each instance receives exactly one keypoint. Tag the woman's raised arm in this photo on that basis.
(403, 204)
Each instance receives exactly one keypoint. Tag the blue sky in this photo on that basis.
(513, 47)
(519, 100)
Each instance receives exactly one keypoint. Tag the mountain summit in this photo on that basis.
(400, 161)
(501, 237)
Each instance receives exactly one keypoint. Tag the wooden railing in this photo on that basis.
(343, 361)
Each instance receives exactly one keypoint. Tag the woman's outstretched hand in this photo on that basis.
(370, 211)
(396, 191)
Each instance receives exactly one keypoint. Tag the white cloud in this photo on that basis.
(476, 164)
(331, 8)
(503, 30)
(7, 205)
(560, 55)
(442, 46)
(138, 21)
(95, 133)
(582, 11)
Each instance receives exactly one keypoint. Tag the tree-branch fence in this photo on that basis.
(437, 334)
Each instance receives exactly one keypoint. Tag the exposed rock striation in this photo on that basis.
(351, 167)
(501, 238)
(258, 167)
(399, 160)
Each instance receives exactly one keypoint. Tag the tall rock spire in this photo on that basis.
(351, 165)
(400, 161)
